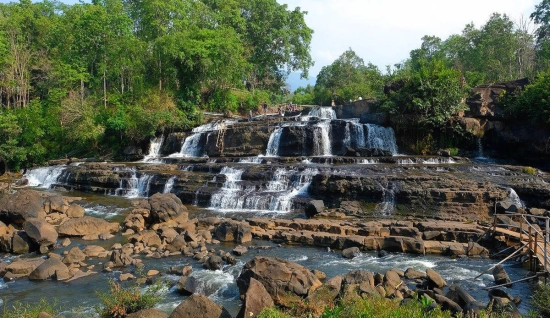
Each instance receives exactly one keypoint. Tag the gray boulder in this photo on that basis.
(199, 306)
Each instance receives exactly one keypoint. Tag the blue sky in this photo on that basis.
(383, 32)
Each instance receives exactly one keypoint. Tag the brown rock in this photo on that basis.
(256, 299)
(199, 306)
(75, 255)
(75, 211)
(434, 279)
(22, 205)
(50, 268)
(86, 225)
(229, 231)
(148, 313)
(165, 207)
(414, 274)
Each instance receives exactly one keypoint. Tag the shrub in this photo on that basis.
(541, 299)
(530, 170)
(119, 302)
(28, 310)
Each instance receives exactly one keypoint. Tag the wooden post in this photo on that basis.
(530, 250)
(535, 250)
(520, 229)
(546, 251)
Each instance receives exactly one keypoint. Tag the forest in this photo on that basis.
(88, 79)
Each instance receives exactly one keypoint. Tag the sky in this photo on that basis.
(384, 32)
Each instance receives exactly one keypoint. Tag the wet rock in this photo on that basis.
(40, 231)
(75, 211)
(501, 277)
(256, 299)
(187, 285)
(504, 294)
(240, 250)
(434, 279)
(351, 252)
(86, 225)
(314, 207)
(214, 262)
(50, 268)
(199, 306)
(278, 276)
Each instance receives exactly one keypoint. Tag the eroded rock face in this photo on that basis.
(234, 231)
(165, 207)
(50, 268)
(22, 205)
(86, 225)
(256, 299)
(278, 276)
(40, 231)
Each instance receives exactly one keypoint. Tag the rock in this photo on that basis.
(44, 315)
(65, 242)
(94, 251)
(40, 231)
(165, 207)
(239, 232)
(199, 306)
(152, 272)
(20, 243)
(501, 277)
(357, 277)
(148, 313)
(126, 276)
(75, 255)
(434, 279)
(496, 292)
(187, 285)
(256, 299)
(86, 225)
(75, 211)
(240, 250)
(319, 274)
(121, 259)
(314, 207)
(414, 274)
(393, 277)
(278, 276)
(214, 262)
(23, 267)
(351, 252)
(50, 268)
(22, 205)
(447, 304)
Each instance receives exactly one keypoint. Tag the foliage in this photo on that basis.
(540, 300)
(119, 301)
(272, 312)
(530, 170)
(348, 78)
(532, 103)
(28, 310)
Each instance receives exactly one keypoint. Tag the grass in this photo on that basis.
(540, 300)
(28, 310)
(530, 170)
(119, 301)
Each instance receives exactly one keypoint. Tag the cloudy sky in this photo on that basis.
(383, 32)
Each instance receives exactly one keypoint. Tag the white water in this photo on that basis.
(387, 206)
(381, 138)
(357, 134)
(44, 177)
(169, 185)
(274, 141)
(192, 146)
(321, 139)
(438, 161)
(515, 198)
(275, 197)
(154, 150)
(368, 161)
(480, 154)
(134, 186)
(323, 113)
(252, 160)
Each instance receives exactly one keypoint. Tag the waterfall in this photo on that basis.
(276, 197)
(252, 160)
(321, 139)
(154, 149)
(134, 186)
(381, 138)
(387, 206)
(274, 141)
(193, 146)
(44, 177)
(515, 198)
(438, 161)
(368, 161)
(357, 134)
(169, 185)
(480, 154)
(323, 113)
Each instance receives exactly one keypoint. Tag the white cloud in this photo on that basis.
(385, 31)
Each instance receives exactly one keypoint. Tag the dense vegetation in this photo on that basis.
(90, 78)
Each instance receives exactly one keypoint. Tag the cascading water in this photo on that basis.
(44, 177)
(274, 141)
(357, 134)
(134, 186)
(387, 206)
(321, 139)
(193, 146)
(276, 197)
(381, 138)
(323, 113)
(169, 185)
(480, 154)
(515, 198)
(154, 149)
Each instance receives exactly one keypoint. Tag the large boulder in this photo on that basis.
(187, 285)
(40, 231)
(75, 211)
(86, 225)
(234, 231)
(314, 207)
(501, 277)
(121, 259)
(51, 268)
(165, 207)
(255, 300)
(22, 205)
(75, 255)
(199, 306)
(435, 279)
(351, 252)
(214, 262)
(278, 276)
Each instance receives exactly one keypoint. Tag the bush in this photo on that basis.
(27, 310)
(541, 300)
(530, 170)
(119, 302)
